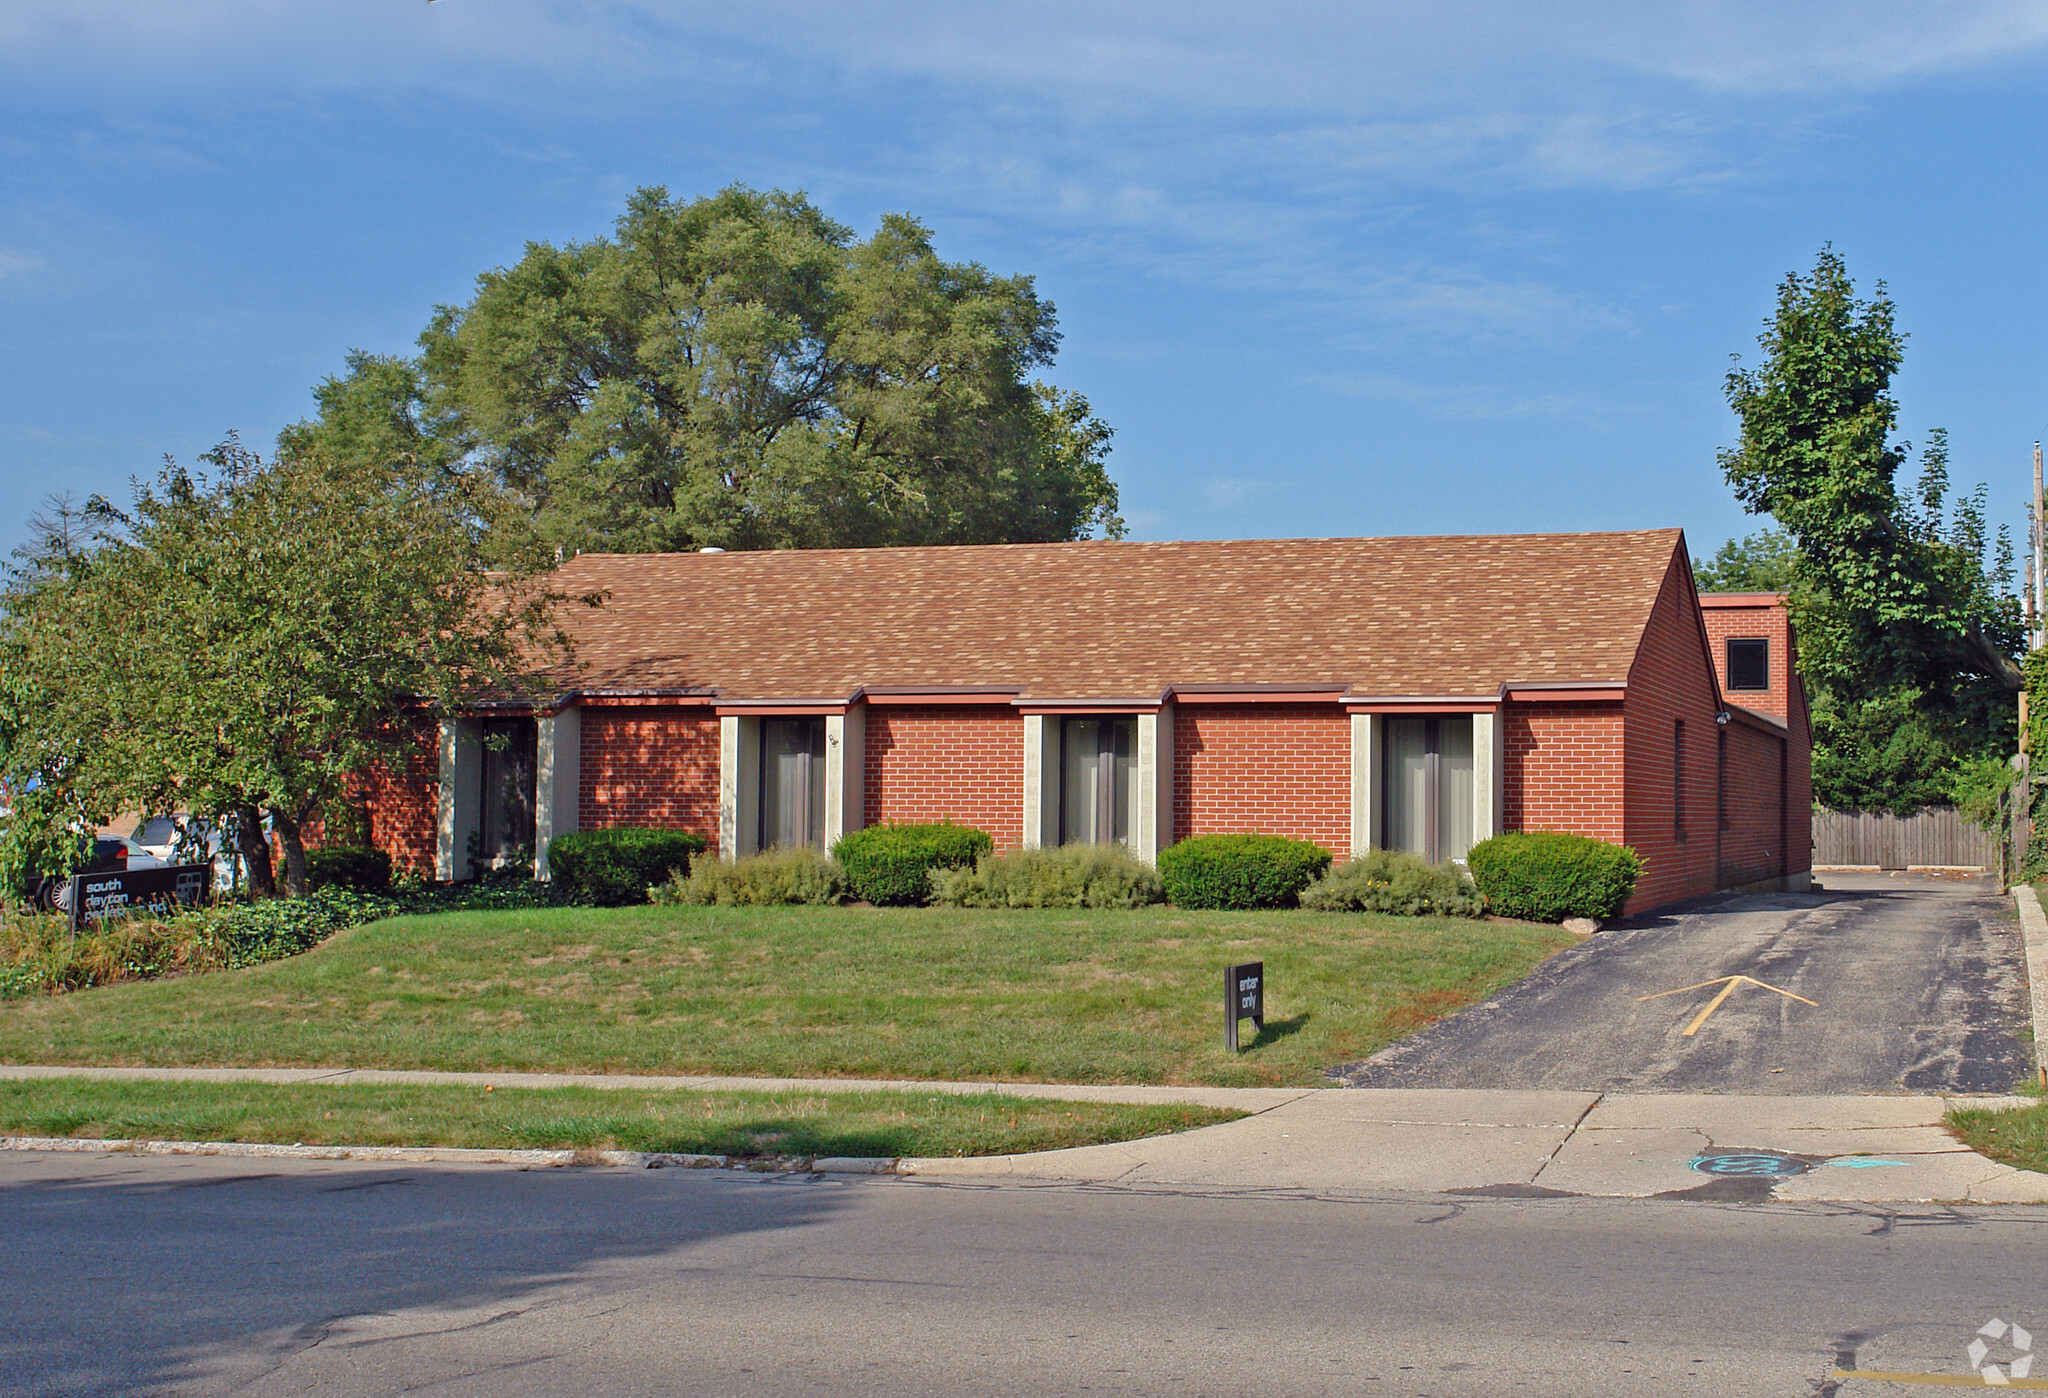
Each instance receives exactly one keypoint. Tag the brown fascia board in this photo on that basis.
(805, 701)
(1742, 599)
(913, 690)
(1563, 691)
(1256, 693)
(1756, 720)
(1139, 705)
(887, 695)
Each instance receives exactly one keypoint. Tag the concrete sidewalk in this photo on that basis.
(1536, 1144)
(1357, 1140)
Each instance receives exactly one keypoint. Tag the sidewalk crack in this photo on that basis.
(1576, 1125)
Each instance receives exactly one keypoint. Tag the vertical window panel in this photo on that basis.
(1406, 784)
(1427, 786)
(1453, 788)
(793, 782)
(1095, 779)
(511, 747)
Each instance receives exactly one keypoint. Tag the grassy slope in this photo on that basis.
(2018, 1138)
(855, 992)
(715, 1123)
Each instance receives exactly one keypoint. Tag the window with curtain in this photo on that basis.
(1426, 785)
(1095, 779)
(511, 746)
(793, 782)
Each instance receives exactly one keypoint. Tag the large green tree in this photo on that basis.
(740, 371)
(241, 642)
(1909, 627)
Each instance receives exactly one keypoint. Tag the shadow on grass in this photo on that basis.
(1277, 1029)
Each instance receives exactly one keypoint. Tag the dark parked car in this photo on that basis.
(110, 854)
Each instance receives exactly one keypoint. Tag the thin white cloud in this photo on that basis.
(15, 263)
(1457, 397)
(1289, 151)
(1234, 492)
(1284, 55)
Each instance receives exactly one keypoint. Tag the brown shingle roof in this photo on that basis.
(1101, 620)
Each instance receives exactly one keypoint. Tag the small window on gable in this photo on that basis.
(1749, 664)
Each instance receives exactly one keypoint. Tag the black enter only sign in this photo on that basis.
(1244, 997)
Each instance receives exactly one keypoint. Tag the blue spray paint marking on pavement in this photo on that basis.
(1860, 1162)
(1767, 1164)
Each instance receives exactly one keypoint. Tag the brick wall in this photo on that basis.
(958, 762)
(402, 798)
(1562, 769)
(1784, 701)
(656, 768)
(1768, 623)
(1799, 776)
(1752, 844)
(1278, 769)
(1672, 681)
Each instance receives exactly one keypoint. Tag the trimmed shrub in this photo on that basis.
(1548, 876)
(481, 896)
(1071, 876)
(616, 868)
(892, 864)
(772, 876)
(1393, 881)
(350, 867)
(1240, 871)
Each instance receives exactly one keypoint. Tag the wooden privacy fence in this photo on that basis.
(1938, 836)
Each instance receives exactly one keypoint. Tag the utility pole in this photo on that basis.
(2038, 572)
(2037, 636)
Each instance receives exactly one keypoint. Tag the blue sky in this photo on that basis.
(1328, 269)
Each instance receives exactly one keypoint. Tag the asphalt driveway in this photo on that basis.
(1919, 985)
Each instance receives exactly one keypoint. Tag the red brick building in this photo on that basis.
(1417, 693)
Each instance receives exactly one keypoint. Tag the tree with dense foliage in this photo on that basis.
(741, 372)
(1765, 561)
(1909, 626)
(242, 643)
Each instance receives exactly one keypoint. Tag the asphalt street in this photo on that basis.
(215, 1277)
(1918, 985)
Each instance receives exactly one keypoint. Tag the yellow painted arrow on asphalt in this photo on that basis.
(1727, 984)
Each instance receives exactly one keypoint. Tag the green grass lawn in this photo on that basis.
(806, 1125)
(2018, 1137)
(1027, 995)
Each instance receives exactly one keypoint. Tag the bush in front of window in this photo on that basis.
(891, 865)
(1393, 881)
(618, 867)
(1071, 876)
(1240, 871)
(350, 867)
(773, 876)
(1548, 876)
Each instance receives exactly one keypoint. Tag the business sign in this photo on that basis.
(1244, 997)
(117, 893)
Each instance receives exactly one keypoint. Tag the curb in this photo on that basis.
(1252, 1100)
(2034, 930)
(456, 1155)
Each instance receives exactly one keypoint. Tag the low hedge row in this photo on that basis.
(347, 866)
(775, 876)
(1240, 871)
(1070, 876)
(891, 865)
(616, 868)
(1544, 876)
(1548, 876)
(1390, 881)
